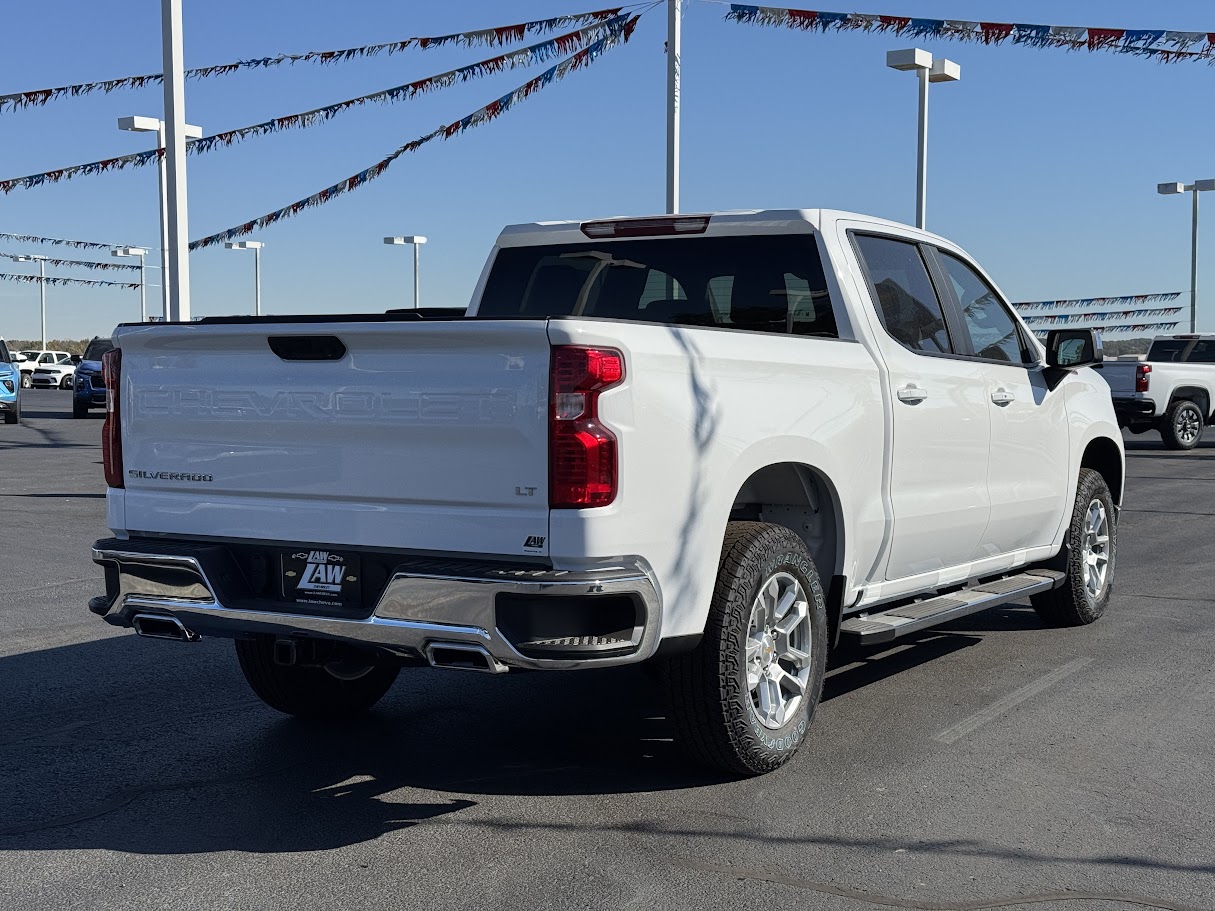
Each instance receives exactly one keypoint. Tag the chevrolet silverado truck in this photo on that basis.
(719, 443)
(1172, 390)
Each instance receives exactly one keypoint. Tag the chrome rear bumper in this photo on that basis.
(418, 607)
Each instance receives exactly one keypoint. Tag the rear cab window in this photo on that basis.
(1183, 350)
(759, 283)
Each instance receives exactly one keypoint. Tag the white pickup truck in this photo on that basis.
(718, 443)
(1172, 390)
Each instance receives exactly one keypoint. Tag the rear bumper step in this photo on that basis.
(876, 628)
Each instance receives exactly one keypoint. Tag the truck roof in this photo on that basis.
(742, 221)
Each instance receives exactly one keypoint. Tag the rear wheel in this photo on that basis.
(1182, 425)
(1092, 539)
(343, 687)
(743, 700)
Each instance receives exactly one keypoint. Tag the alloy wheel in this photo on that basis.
(779, 650)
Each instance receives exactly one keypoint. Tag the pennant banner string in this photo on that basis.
(1151, 328)
(536, 53)
(1163, 45)
(1029, 306)
(491, 111)
(507, 34)
(1098, 317)
(61, 242)
(50, 280)
(81, 263)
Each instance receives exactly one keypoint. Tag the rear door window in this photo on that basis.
(906, 299)
(761, 283)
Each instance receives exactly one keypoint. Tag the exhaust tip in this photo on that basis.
(462, 656)
(162, 626)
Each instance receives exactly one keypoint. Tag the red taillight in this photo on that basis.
(1143, 377)
(111, 431)
(582, 452)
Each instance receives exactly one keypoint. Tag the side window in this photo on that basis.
(993, 331)
(907, 302)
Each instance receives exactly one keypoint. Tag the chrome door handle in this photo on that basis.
(912, 394)
(1003, 397)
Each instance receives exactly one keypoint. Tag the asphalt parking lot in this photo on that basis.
(992, 763)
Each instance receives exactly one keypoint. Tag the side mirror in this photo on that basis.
(1068, 350)
(1071, 349)
(74, 359)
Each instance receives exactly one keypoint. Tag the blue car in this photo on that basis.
(88, 389)
(10, 386)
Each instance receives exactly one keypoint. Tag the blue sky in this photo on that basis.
(1043, 163)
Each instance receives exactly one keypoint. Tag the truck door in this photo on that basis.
(1027, 477)
(941, 414)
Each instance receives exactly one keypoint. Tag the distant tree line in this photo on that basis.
(73, 346)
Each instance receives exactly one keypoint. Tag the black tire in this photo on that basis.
(79, 411)
(311, 692)
(713, 711)
(26, 381)
(66, 382)
(12, 417)
(1181, 427)
(1074, 603)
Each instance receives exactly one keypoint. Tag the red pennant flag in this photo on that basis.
(995, 32)
(801, 18)
(1104, 37)
(896, 23)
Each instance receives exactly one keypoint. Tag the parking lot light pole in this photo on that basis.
(256, 247)
(143, 277)
(41, 261)
(152, 125)
(1172, 189)
(416, 241)
(928, 70)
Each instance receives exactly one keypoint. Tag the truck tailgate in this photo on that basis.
(423, 435)
(1121, 376)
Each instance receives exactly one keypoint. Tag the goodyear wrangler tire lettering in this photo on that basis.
(744, 699)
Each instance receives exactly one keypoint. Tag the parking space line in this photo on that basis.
(1013, 699)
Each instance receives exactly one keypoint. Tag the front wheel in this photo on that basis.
(1182, 425)
(26, 382)
(80, 410)
(340, 688)
(1091, 542)
(744, 699)
(65, 383)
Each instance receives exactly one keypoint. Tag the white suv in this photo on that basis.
(47, 369)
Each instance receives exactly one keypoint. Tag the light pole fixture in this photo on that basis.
(415, 241)
(41, 261)
(256, 247)
(928, 70)
(143, 277)
(1198, 186)
(152, 125)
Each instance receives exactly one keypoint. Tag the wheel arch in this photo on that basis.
(1196, 394)
(804, 499)
(1104, 456)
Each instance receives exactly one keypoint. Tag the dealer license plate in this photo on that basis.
(321, 577)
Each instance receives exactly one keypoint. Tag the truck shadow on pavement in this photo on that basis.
(160, 748)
